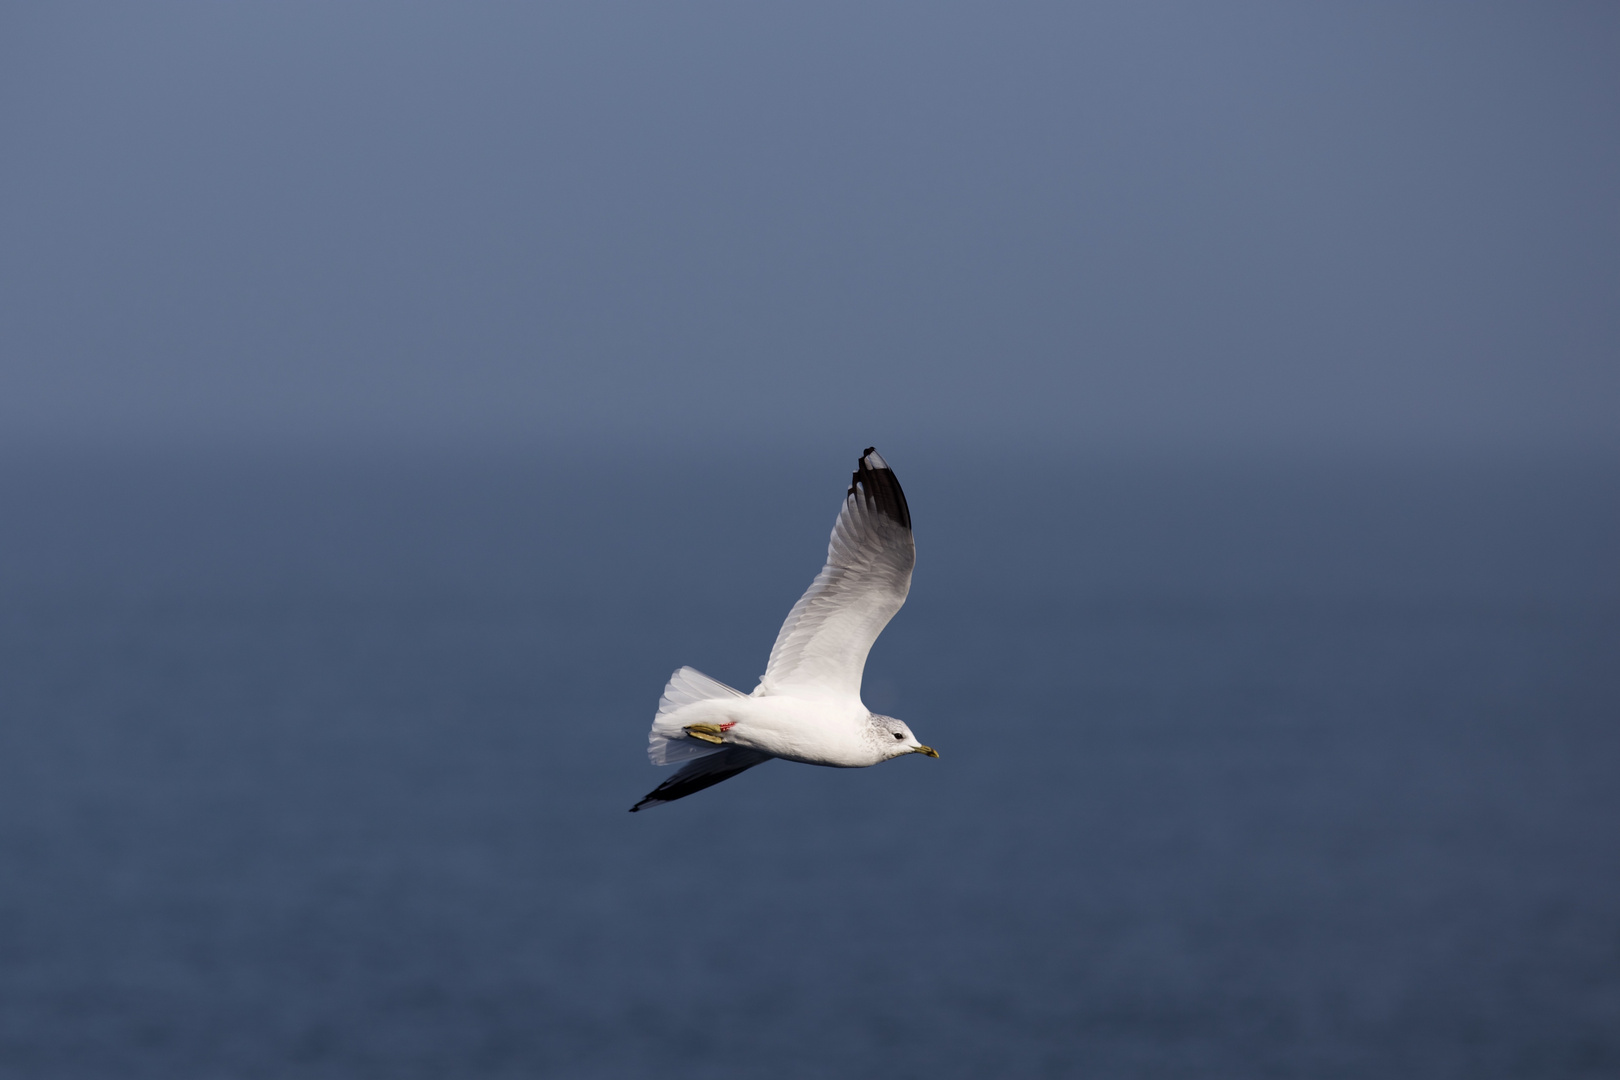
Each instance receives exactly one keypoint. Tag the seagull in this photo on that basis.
(807, 706)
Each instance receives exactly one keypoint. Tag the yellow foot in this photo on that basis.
(706, 732)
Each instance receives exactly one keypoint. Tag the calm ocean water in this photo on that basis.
(322, 772)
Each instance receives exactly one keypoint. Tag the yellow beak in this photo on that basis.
(929, 750)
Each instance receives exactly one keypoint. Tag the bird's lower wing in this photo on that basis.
(702, 773)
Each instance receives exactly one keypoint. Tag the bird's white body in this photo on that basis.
(815, 732)
(807, 707)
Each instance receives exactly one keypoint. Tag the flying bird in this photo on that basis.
(807, 706)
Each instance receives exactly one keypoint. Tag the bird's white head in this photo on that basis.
(895, 738)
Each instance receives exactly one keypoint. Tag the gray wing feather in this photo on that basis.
(822, 647)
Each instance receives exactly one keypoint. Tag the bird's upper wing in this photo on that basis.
(821, 650)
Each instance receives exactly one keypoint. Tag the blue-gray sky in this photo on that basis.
(1114, 228)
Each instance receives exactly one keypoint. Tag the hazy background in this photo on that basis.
(391, 396)
(1111, 228)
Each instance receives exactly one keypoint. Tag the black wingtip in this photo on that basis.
(881, 489)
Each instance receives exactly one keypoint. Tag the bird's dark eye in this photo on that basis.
(898, 735)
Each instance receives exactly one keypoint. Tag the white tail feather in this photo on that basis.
(688, 686)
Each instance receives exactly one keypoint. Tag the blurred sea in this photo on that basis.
(321, 769)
